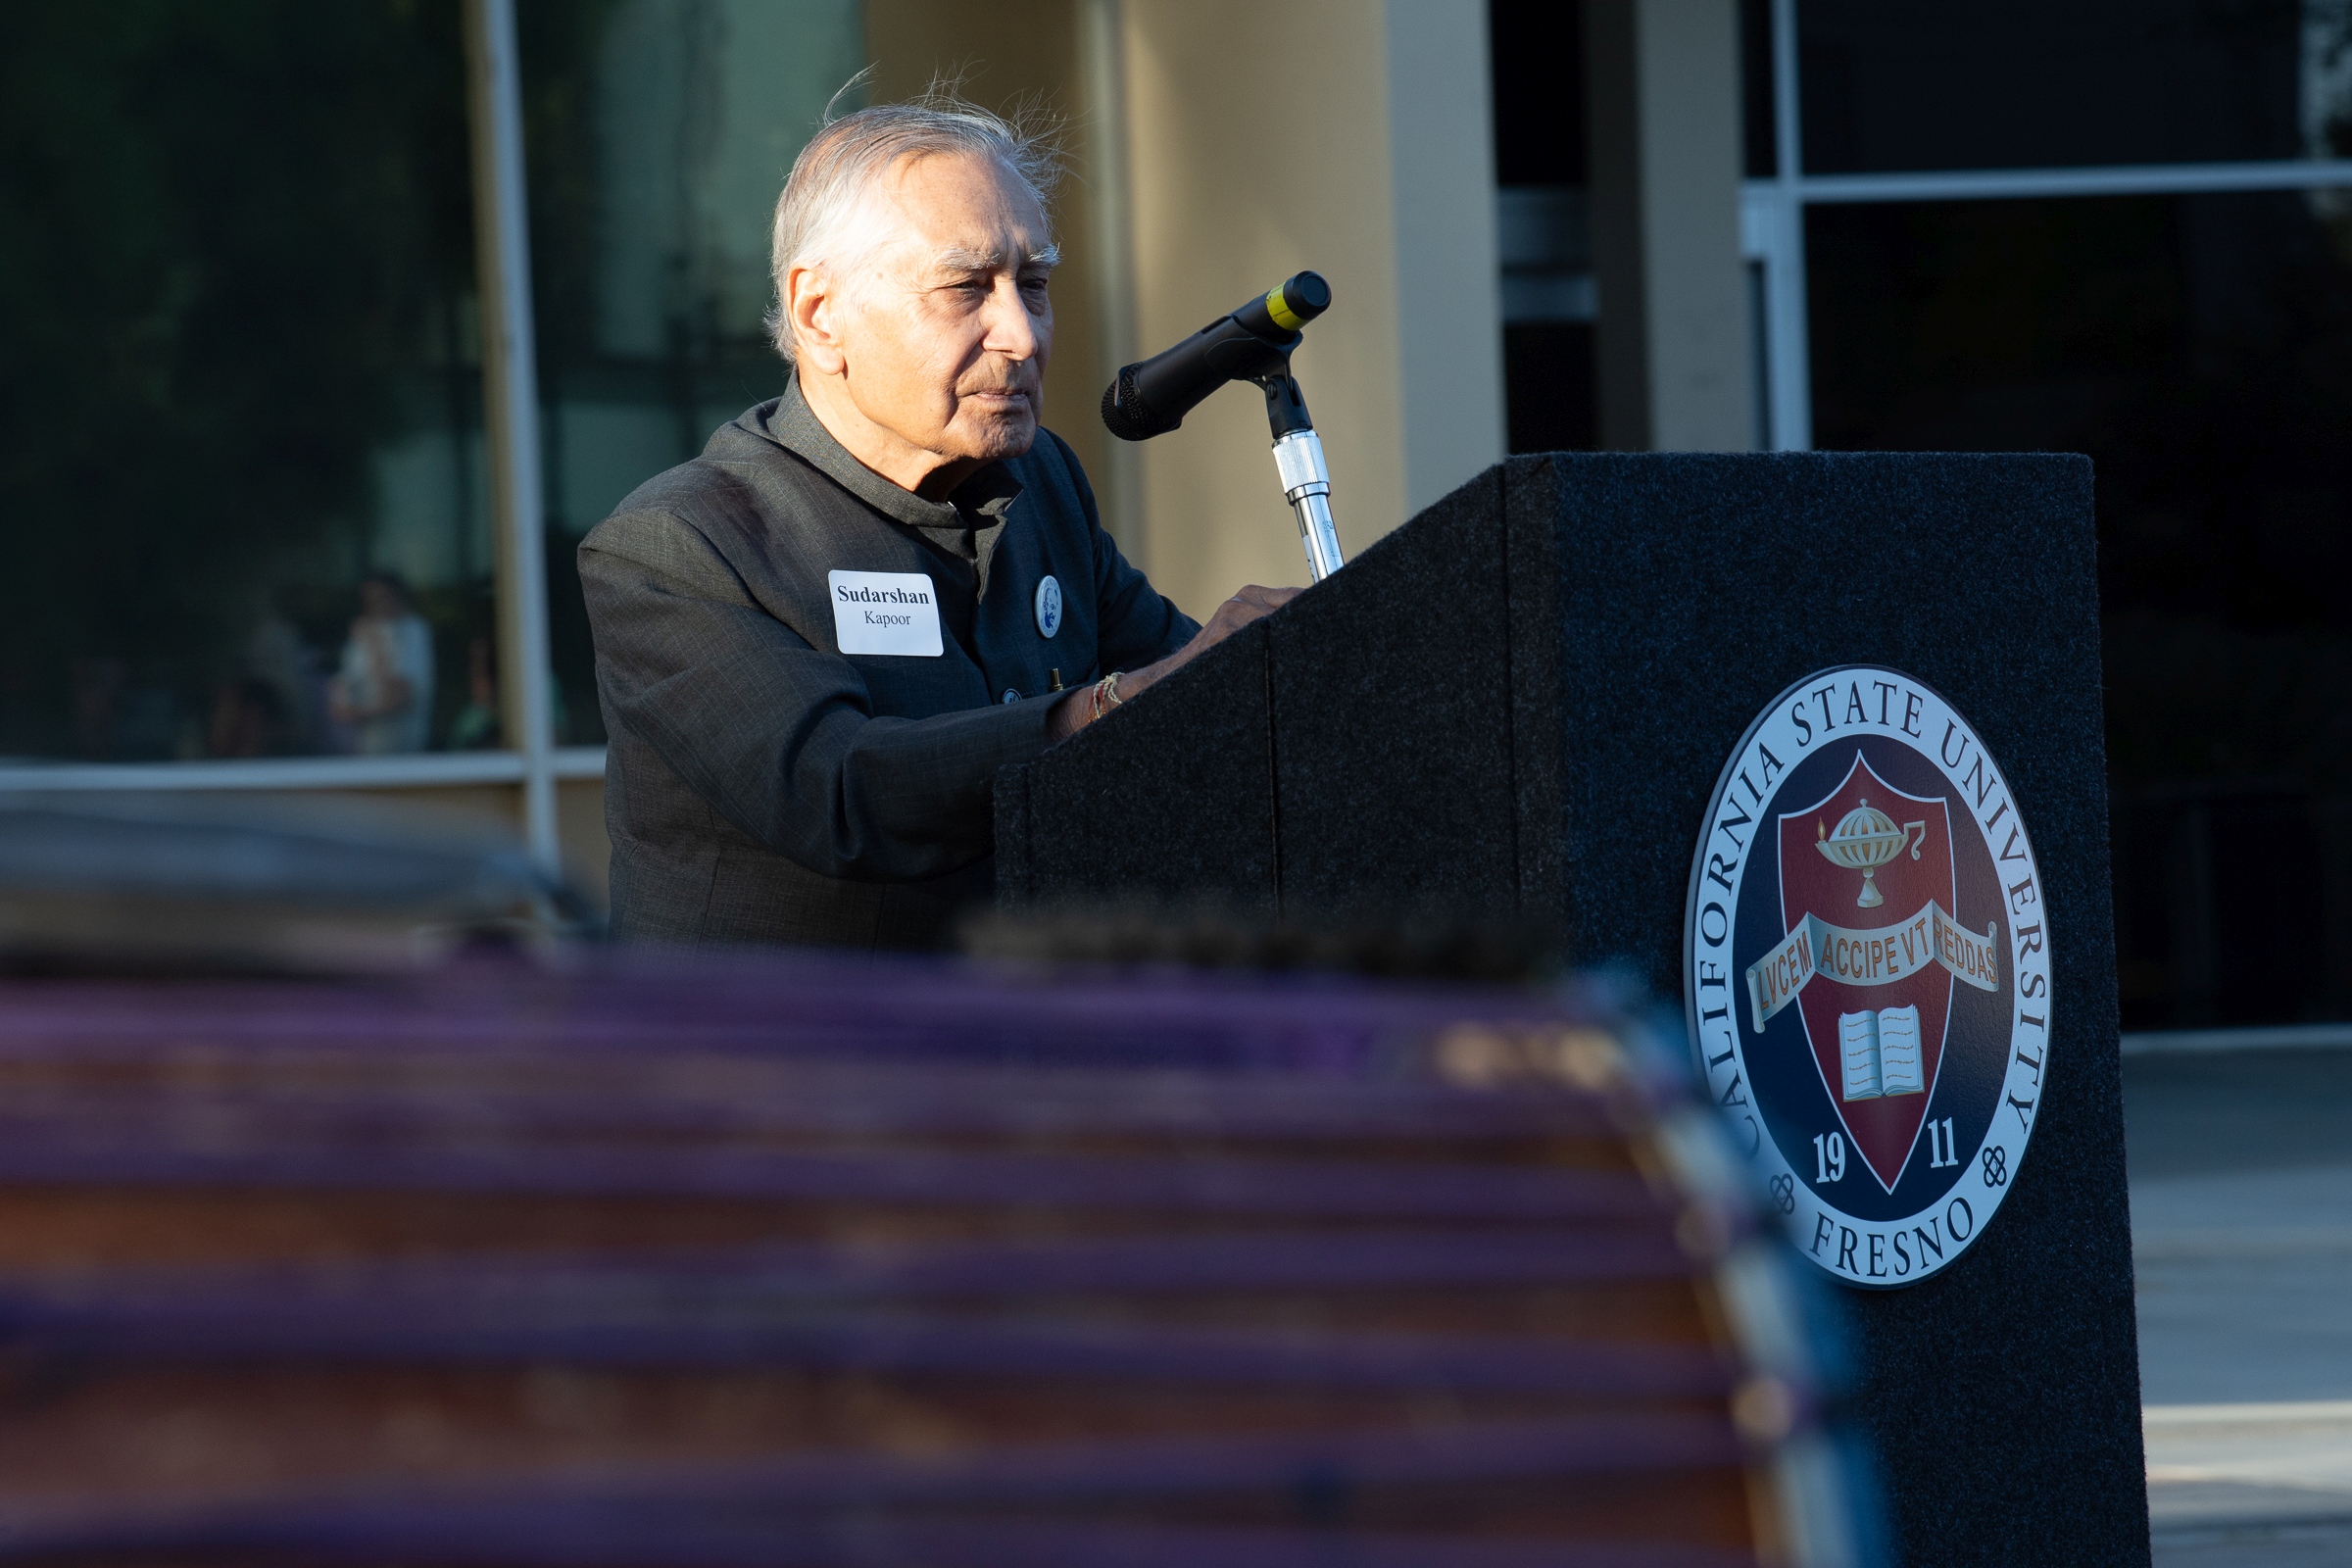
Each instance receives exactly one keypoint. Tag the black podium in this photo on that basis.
(1517, 705)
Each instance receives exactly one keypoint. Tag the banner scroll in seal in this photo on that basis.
(1879, 956)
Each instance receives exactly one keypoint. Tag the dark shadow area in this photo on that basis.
(237, 312)
(2199, 349)
(1547, 372)
(1538, 51)
(1542, 167)
(1948, 84)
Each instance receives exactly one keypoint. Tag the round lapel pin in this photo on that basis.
(1048, 606)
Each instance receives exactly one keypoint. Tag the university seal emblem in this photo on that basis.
(1866, 964)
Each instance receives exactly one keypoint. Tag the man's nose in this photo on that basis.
(1011, 329)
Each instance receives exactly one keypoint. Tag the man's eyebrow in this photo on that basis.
(964, 259)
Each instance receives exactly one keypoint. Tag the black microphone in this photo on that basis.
(1152, 397)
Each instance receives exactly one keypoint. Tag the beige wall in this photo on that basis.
(1349, 136)
(1442, 160)
(1249, 162)
(1016, 54)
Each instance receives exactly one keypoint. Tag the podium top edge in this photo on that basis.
(2055, 458)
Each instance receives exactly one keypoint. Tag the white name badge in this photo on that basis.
(885, 612)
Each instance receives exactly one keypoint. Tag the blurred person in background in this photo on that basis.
(384, 690)
(277, 657)
(249, 720)
(479, 726)
(476, 728)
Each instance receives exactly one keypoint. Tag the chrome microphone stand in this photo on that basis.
(1250, 344)
(1305, 480)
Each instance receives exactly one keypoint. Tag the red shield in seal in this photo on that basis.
(1881, 1127)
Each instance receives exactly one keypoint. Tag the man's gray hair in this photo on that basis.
(831, 178)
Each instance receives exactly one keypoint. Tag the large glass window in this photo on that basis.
(241, 466)
(253, 513)
(2199, 347)
(660, 132)
(1952, 84)
(2125, 230)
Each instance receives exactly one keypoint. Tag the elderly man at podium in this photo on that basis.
(817, 642)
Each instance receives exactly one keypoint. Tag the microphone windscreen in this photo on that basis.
(1123, 411)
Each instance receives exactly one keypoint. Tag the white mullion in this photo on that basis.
(1782, 210)
(400, 770)
(390, 772)
(510, 375)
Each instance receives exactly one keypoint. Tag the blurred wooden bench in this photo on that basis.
(802, 1261)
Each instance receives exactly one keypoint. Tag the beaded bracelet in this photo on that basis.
(1106, 697)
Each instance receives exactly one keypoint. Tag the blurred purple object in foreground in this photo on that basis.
(803, 1261)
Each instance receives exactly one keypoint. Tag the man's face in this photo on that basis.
(945, 327)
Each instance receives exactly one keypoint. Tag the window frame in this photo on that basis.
(1771, 218)
(518, 577)
(1772, 234)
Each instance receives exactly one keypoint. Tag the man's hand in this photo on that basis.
(1250, 604)
(1072, 714)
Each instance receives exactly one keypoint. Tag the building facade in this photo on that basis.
(343, 327)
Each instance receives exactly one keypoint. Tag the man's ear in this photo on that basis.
(815, 310)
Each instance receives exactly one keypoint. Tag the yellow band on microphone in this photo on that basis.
(1280, 310)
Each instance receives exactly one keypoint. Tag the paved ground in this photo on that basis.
(2242, 1219)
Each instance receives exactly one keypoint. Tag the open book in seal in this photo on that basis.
(1881, 1053)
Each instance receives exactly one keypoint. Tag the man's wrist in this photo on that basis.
(1083, 705)
(1105, 696)
(1067, 716)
